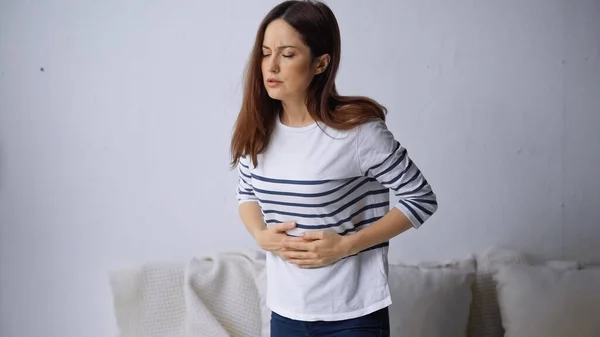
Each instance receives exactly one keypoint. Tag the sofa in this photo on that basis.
(498, 292)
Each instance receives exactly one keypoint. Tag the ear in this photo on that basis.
(321, 63)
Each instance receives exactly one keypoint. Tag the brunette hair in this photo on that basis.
(318, 27)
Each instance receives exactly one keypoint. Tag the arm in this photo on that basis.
(248, 207)
(252, 217)
(329, 247)
(268, 238)
(391, 225)
(381, 156)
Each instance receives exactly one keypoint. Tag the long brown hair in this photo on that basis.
(317, 25)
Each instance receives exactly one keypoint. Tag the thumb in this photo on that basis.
(282, 227)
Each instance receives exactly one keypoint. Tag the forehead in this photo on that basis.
(280, 33)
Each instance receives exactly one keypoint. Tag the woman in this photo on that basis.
(315, 173)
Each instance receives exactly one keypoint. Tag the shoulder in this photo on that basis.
(371, 127)
(374, 128)
(375, 135)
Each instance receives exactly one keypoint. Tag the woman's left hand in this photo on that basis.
(315, 249)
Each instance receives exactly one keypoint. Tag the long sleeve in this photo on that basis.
(245, 192)
(383, 158)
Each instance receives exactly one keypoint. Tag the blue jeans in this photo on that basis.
(376, 324)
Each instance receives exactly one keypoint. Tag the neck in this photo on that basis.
(295, 113)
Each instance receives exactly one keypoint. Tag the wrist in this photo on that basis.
(350, 244)
(257, 232)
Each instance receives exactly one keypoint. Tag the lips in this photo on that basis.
(273, 82)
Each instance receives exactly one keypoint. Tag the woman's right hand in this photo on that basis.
(272, 238)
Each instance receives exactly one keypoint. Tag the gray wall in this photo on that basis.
(116, 153)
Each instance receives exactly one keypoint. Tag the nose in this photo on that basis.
(273, 65)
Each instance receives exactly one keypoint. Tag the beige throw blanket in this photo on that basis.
(212, 296)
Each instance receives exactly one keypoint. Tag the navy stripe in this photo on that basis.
(352, 202)
(366, 208)
(388, 157)
(245, 193)
(315, 205)
(310, 195)
(244, 165)
(423, 195)
(366, 222)
(410, 163)
(359, 224)
(413, 191)
(290, 182)
(396, 163)
(245, 182)
(411, 210)
(245, 175)
(381, 245)
(347, 231)
(426, 201)
(423, 209)
(417, 174)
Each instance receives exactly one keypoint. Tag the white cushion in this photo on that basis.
(545, 301)
(260, 277)
(484, 318)
(430, 299)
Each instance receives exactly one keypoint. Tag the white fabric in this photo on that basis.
(329, 180)
(544, 301)
(195, 299)
(484, 319)
(431, 300)
(211, 296)
(261, 284)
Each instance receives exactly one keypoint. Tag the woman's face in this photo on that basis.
(287, 66)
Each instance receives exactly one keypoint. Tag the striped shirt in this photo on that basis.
(327, 179)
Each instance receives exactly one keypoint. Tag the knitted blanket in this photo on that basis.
(213, 296)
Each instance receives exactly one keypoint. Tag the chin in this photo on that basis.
(274, 94)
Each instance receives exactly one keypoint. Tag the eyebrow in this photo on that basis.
(280, 47)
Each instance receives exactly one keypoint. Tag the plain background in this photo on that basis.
(116, 116)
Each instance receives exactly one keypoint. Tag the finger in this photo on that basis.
(282, 227)
(297, 255)
(290, 238)
(310, 267)
(302, 263)
(284, 249)
(313, 235)
(297, 245)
